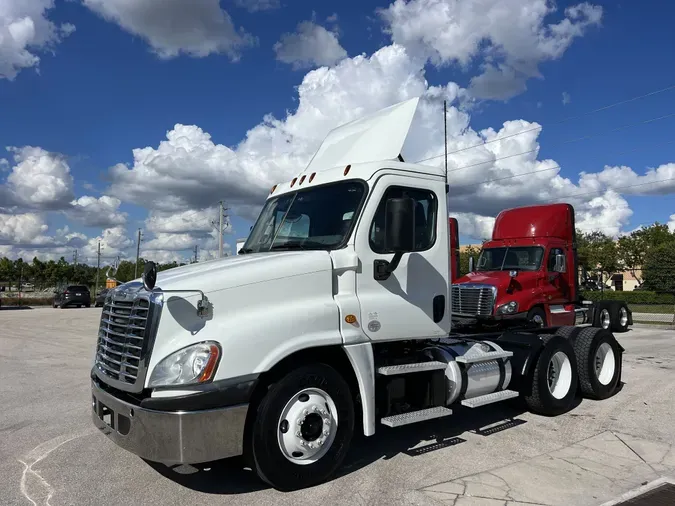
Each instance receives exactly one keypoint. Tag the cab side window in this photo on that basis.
(426, 207)
(551, 258)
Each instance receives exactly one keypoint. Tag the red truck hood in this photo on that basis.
(525, 281)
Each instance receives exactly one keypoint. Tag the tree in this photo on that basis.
(659, 269)
(597, 252)
(470, 251)
(633, 248)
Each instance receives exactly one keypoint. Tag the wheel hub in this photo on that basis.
(623, 316)
(604, 319)
(559, 375)
(307, 426)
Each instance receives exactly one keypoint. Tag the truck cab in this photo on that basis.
(528, 273)
(335, 317)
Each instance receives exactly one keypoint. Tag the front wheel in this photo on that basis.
(302, 428)
(537, 316)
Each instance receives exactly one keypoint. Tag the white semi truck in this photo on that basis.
(334, 318)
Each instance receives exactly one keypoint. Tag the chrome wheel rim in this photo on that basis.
(623, 316)
(307, 426)
(604, 319)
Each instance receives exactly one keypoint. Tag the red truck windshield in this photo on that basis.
(519, 258)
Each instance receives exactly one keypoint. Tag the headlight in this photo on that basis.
(193, 364)
(508, 308)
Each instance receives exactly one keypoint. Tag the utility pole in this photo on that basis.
(75, 266)
(98, 266)
(138, 252)
(196, 253)
(222, 222)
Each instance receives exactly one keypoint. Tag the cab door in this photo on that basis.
(413, 301)
(556, 289)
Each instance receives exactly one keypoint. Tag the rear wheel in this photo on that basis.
(302, 428)
(618, 313)
(555, 378)
(599, 357)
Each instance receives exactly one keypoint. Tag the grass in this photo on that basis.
(653, 308)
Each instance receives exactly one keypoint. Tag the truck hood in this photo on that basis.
(240, 270)
(500, 279)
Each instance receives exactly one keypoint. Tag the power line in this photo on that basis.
(553, 123)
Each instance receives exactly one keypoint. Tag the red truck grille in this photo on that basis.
(472, 300)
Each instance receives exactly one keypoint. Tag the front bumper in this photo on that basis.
(170, 437)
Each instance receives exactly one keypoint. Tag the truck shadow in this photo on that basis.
(230, 477)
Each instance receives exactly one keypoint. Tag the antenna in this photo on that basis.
(445, 135)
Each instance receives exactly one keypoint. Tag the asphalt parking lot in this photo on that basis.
(50, 453)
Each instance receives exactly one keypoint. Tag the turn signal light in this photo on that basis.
(350, 318)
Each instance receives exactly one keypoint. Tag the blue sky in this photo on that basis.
(100, 92)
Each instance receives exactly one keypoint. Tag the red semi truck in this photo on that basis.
(528, 274)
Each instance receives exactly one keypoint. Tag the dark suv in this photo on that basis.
(73, 295)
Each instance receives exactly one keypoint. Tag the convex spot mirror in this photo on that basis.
(149, 276)
(399, 225)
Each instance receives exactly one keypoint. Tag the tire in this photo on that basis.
(619, 315)
(599, 357)
(537, 316)
(557, 361)
(602, 317)
(275, 451)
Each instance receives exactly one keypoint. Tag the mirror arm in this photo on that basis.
(202, 305)
(384, 268)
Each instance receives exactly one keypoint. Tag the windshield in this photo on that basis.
(319, 218)
(519, 258)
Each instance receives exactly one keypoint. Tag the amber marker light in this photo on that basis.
(293, 182)
(350, 318)
(347, 170)
(302, 179)
(311, 178)
(214, 355)
(273, 188)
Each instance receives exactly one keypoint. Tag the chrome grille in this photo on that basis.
(122, 337)
(472, 300)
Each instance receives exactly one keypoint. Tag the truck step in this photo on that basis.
(502, 395)
(484, 357)
(416, 416)
(391, 370)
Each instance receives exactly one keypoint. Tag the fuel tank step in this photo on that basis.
(483, 357)
(391, 370)
(502, 395)
(416, 416)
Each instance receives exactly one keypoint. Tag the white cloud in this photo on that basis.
(26, 31)
(39, 180)
(114, 241)
(258, 5)
(97, 212)
(507, 40)
(656, 181)
(671, 223)
(484, 180)
(311, 45)
(172, 27)
(566, 98)
(22, 229)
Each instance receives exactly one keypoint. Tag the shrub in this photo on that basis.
(636, 297)
(26, 301)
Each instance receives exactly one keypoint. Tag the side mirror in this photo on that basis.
(149, 276)
(399, 225)
(559, 263)
(472, 264)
